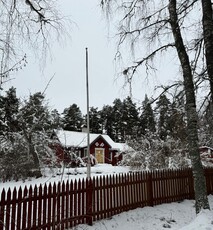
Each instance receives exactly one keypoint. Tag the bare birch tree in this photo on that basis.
(25, 25)
(207, 22)
(159, 27)
(192, 126)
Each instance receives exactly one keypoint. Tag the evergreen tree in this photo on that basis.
(130, 119)
(177, 127)
(12, 161)
(206, 126)
(24, 147)
(36, 124)
(118, 123)
(9, 105)
(106, 118)
(56, 118)
(147, 120)
(95, 120)
(163, 121)
(72, 118)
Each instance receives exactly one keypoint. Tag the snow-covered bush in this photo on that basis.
(150, 152)
(136, 160)
(93, 160)
(15, 163)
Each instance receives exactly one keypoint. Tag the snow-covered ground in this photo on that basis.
(64, 174)
(166, 216)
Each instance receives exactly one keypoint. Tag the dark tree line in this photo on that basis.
(124, 120)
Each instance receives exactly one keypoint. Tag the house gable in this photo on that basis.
(100, 141)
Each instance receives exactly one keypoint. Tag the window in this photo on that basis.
(85, 152)
(110, 155)
(77, 153)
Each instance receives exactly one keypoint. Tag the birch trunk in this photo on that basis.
(207, 22)
(198, 173)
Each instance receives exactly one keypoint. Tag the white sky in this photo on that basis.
(68, 64)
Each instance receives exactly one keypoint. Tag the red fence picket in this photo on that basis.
(77, 202)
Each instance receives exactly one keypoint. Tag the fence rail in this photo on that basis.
(64, 205)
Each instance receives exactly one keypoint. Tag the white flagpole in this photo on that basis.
(88, 127)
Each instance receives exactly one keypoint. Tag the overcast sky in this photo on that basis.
(68, 64)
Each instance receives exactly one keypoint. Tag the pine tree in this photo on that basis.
(147, 120)
(95, 121)
(206, 126)
(9, 105)
(117, 120)
(56, 118)
(178, 126)
(12, 159)
(72, 118)
(130, 119)
(25, 138)
(36, 124)
(163, 108)
(106, 118)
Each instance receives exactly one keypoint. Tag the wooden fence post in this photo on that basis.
(2, 210)
(150, 189)
(89, 202)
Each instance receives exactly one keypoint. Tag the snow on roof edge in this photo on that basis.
(79, 139)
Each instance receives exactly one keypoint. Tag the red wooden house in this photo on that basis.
(102, 147)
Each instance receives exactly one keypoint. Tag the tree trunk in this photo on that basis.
(36, 171)
(208, 39)
(198, 173)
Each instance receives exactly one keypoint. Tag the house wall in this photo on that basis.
(116, 158)
(206, 151)
(101, 143)
(110, 156)
(60, 153)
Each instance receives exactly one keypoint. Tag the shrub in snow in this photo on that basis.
(136, 160)
(15, 163)
(93, 160)
(150, 152)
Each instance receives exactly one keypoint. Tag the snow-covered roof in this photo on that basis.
(122, 147)
(206, 147)
(79, 139)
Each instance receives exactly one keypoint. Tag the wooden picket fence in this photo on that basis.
(65, 205)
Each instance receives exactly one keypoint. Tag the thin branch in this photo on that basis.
(134, 68)
(165, 89)
(48, 83)
(38, 11)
